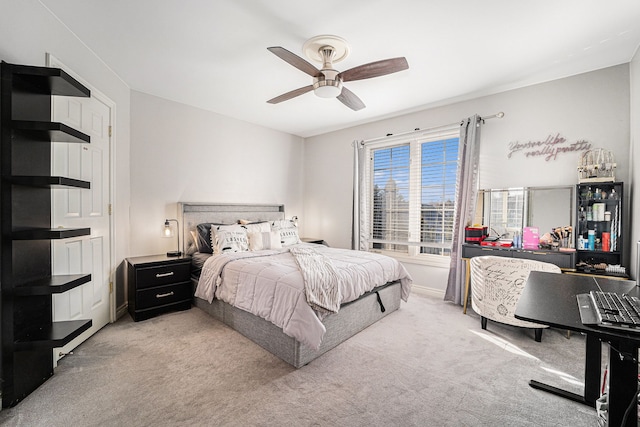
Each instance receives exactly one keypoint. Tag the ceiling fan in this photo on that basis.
(327, 82)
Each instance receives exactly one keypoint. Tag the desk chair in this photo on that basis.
(496, 286)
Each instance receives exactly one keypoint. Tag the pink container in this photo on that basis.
(530, 238)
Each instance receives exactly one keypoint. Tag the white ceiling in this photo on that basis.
(213, 54)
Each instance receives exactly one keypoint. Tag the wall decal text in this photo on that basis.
(549, 148)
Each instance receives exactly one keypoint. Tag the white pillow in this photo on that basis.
(216, 229)
(264, 240)
(258, 227)
(279, 224)
(288, 231)
(289, 236)
(231, 241)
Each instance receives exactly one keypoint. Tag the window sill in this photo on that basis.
(430, 261)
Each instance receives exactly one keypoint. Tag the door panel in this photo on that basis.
(96, 200)
(97, 255)
(76, 208)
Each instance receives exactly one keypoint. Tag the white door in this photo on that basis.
(80, 208)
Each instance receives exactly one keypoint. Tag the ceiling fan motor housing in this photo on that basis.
(327, 84)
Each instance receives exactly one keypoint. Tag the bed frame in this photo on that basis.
(352, 318)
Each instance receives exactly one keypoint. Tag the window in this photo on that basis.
(411, 194)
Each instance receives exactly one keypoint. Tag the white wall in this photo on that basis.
(227, 155)
(184, 154)
(27, 32)
(592, 106)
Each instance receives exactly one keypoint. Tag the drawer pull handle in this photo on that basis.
(168, 294)
(164, 274)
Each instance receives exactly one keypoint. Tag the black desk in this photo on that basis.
(551, 299)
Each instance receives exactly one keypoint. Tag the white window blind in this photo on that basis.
(411, 193)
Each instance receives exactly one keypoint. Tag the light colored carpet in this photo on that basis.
(424, 365)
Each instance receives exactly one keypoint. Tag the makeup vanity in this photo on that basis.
(506, 211)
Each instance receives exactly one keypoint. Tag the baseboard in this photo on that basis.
(121, 311)
(424, 290)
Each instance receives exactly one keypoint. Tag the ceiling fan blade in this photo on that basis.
(375, 69)
(350, 99)
(294, 60)
(289, 95)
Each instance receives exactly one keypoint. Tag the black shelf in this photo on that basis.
(586, 198)
(55, 334)
(49, 181)
(49, 233)
(50, 81)
(28, 333)
(597, 252)
(52, 285)
(50, 131)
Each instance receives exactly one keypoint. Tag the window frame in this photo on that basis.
(415, 192)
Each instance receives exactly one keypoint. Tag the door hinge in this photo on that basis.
(110, 128)
(109, 208)
(110, 287)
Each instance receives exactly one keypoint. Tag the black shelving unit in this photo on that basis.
(28, 333)
(609, 196)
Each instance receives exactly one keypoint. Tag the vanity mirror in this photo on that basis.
(505, 211)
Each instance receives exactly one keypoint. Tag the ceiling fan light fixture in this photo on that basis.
(327, 88)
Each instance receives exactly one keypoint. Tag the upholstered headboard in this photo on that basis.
(192, 214)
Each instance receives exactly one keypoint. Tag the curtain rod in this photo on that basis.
(418, 130)
(494, 116)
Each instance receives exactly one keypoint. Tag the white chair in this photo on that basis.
(496, 286)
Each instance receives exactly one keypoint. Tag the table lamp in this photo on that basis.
(169, 233)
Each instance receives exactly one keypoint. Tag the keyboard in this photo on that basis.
(615, 309)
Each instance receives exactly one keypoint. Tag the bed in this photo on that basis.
(310, 336)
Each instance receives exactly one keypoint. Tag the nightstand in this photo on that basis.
(158, 284)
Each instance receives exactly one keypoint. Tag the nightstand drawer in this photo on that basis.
(161, 295)
(161, 275)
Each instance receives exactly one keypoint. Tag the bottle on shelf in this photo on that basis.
(591, 240)
(596, 194)
(517, 240)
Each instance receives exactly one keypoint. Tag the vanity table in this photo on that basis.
(507, 211)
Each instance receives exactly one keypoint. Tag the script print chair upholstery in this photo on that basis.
(496, 286)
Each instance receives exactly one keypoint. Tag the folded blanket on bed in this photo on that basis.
(321, 280)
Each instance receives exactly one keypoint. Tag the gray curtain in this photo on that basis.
(467, 191)
(359, 225)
